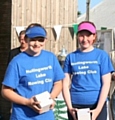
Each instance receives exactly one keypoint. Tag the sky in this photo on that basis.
(82, 5)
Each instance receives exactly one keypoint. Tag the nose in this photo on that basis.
(22, 41)
(36, 42)
(85, 37)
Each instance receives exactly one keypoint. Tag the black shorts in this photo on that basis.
(101, 116)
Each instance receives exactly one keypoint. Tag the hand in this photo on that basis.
(34, 105)
(73, 113)
(52, 105)
(113, 75)
(95, 113)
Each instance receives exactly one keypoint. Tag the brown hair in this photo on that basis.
(22, 33)
(35, 24)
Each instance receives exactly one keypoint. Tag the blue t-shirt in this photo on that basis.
(87, 69)
(30, 75)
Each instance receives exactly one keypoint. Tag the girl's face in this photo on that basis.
(86, 39)
(35, 45)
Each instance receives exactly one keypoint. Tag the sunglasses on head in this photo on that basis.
(40, 39)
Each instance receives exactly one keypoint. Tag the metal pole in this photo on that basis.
(87, 9)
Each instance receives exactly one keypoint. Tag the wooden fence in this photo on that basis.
(49, 13)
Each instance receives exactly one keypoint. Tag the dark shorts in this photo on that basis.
(101, 116)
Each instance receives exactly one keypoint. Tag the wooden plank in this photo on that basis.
(52, 24)
(43, 11)
(57, 7)
(39, 11)
(33, 11)
(19, 13)
(29, 13)
(14, 22)
(48, 23)
(65, 29)
(23, 22)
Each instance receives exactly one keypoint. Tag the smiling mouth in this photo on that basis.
(84, 43)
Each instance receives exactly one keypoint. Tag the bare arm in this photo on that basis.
(9, 94)
(57, 88)
(66, 93)
(106, 80)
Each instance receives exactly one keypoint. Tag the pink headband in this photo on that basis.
(87, 26)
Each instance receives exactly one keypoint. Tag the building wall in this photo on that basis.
(48, 13)
(5, 37)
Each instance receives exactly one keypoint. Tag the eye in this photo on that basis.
(41, 39)
(38, 39)
(32, 39)
(80, 35)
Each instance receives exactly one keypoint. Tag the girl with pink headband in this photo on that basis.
(88, 69)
